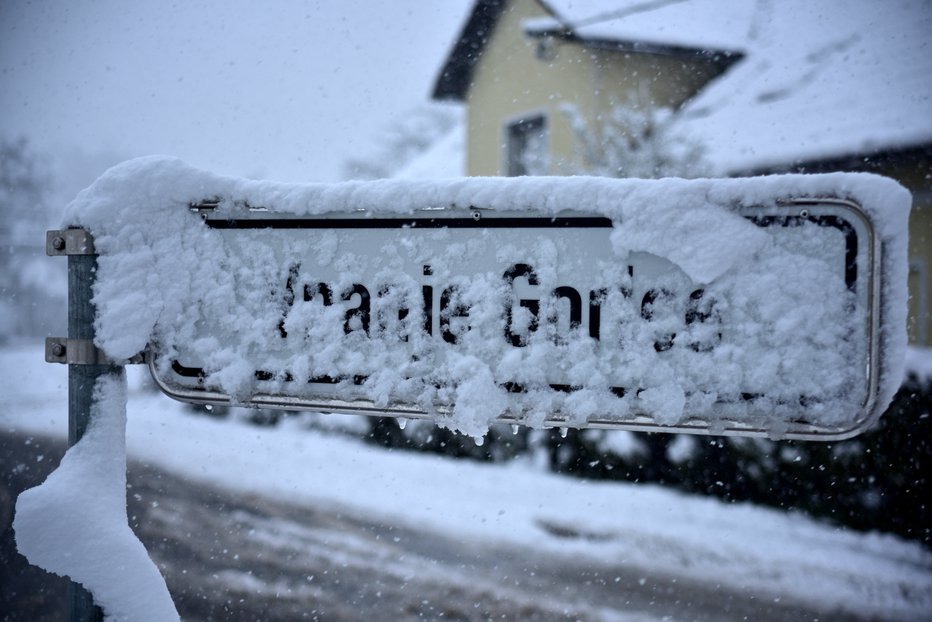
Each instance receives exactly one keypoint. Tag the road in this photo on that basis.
(232, 557)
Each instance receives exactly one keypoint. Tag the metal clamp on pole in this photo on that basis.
(82, 352)
(67, 242)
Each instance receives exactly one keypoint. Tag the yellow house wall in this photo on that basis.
(915, 177)
(643, 81)
(920, 276)
(648, 80)
(914, 172)
(510, 83)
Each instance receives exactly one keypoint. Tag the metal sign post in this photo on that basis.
(85, 364)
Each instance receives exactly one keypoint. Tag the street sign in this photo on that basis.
(534, 314)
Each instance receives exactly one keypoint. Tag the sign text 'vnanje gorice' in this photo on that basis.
(760, 306)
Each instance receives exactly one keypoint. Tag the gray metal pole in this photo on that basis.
(81, 381)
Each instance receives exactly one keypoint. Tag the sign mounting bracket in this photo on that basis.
(71, 351)
(69, 242)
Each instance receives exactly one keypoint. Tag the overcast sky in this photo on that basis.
(282, 90)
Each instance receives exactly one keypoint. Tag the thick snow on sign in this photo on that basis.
(704, 304)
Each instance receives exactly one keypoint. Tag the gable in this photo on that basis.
(814, 81)
(695, 25)
(613, 24)
(456, 73)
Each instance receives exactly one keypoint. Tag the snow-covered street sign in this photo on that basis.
(356, 307)
(768, 306)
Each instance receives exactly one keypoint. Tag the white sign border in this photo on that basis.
(867, 416)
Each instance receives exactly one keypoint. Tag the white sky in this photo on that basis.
(284, 90)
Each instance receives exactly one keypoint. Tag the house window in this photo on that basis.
(527, 147)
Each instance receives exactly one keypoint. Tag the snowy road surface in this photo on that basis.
(291, 521)
(229, 556)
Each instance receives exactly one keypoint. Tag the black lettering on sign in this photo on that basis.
(388, 296)
(659, 306)
(512, 273)
(427, 292)
(654, 302)
(565, 291)
(362, 311)
(574, 300)
(596, 298)
(288, 298)
(309, 292)
(450, 307)
(700, 309)
(321, 289)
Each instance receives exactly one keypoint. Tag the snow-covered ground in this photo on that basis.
(662, 532)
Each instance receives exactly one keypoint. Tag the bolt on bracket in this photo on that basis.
(69, 242)
(82, 352)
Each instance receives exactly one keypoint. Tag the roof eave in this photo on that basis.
(456, 74)
(869, 160)
(726, 57)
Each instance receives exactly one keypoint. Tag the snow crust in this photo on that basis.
(164, 276)
(445, 159)
(765, 552)
(816, 80)
(702, 24)
(75, 524)
(819, 81)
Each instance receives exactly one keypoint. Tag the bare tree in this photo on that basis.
(32, 287)
(634, 141)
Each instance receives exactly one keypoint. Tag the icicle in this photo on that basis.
(514, 429)
(402, 422)
(563, 432)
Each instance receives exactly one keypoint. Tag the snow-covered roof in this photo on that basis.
(820, 80)
(701, 24)
(816, 80)
(697, 25)
(443, 160)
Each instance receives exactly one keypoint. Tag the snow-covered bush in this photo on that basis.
(634, 141)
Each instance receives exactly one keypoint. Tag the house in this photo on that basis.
(703, 87)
